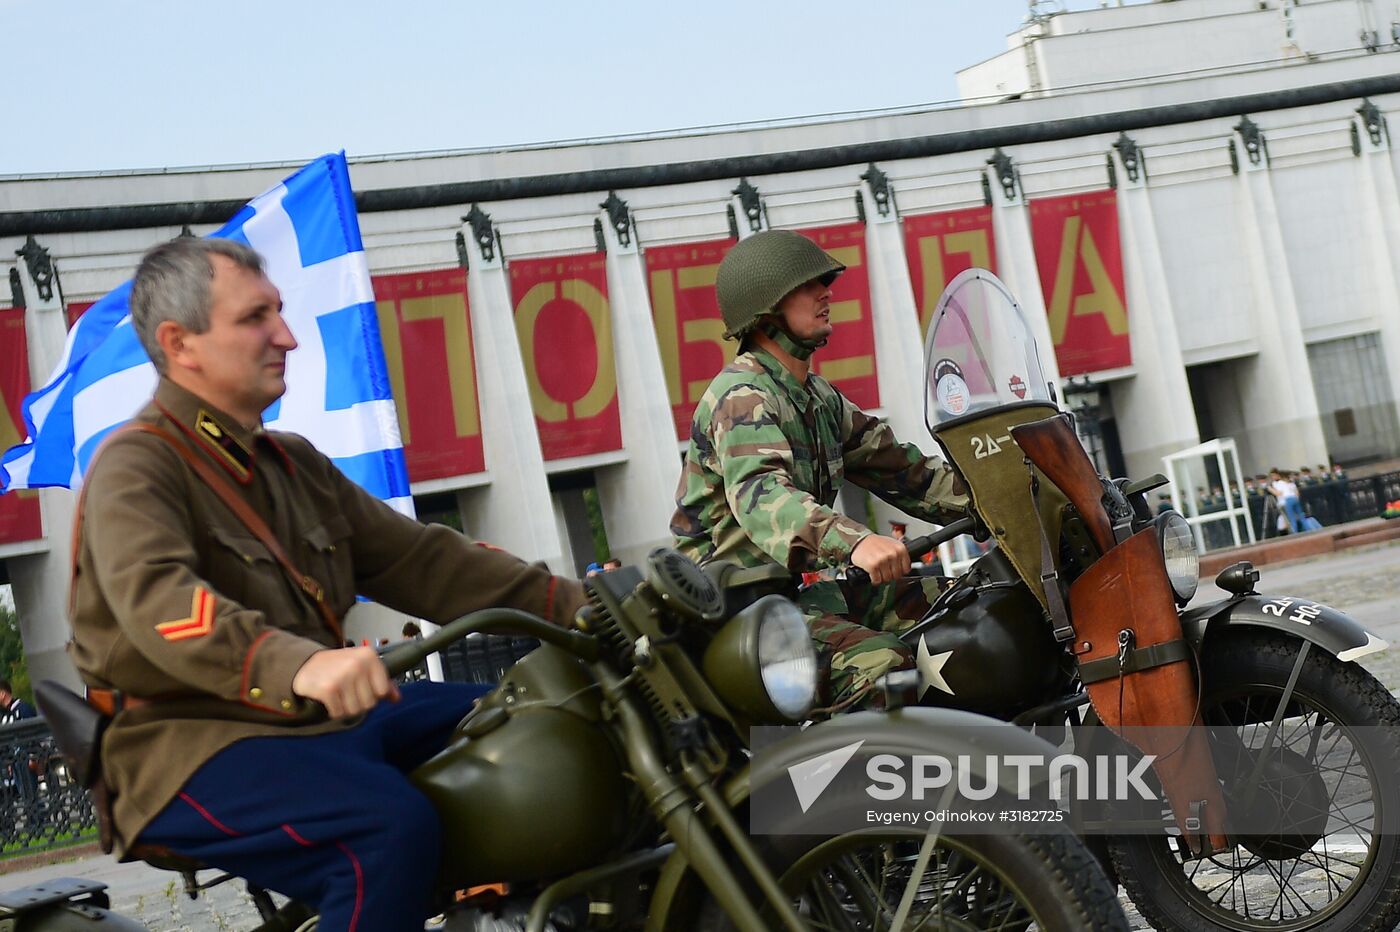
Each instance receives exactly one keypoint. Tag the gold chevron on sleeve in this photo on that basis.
(200, 622)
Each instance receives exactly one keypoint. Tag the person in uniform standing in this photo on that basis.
(245, 736)
(771, 443)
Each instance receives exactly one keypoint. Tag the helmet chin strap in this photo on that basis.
(797, 349)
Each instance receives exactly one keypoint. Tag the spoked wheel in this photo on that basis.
(861, 881)
(1328, 779)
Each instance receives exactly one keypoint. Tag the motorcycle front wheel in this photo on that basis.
(1337, 867)
(970, 882)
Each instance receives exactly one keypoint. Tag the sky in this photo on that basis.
(121, 84)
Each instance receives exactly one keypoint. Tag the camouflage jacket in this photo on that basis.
(767, 457)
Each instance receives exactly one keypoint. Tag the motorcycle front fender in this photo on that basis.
(1334, 631)
(907, 731)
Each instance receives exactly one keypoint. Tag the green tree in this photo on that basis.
(601, 549)
(12, 663)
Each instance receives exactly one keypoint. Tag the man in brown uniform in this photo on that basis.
(218, 664)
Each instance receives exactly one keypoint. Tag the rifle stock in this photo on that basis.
(1052, 446)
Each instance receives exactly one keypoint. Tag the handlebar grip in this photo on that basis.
(921, 545)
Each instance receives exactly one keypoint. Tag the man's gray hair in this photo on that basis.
(172, 283)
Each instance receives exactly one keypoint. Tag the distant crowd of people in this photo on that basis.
(1276, 500)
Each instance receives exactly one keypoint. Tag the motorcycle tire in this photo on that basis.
(1240, 667)
(1048, 882)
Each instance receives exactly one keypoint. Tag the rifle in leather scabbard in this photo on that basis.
(1052, 446)
(1122, 607)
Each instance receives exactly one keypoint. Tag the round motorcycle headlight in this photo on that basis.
(1179, 554)
(763, 663)
(787, 660)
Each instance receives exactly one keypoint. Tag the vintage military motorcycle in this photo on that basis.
(604, 785)
(1079, 614)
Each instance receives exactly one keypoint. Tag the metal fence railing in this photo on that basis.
(483, 658)
(41, 806)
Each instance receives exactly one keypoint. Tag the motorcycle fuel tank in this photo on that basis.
(991, 651)
(531, 786)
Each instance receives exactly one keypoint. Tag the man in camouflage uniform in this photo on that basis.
(771, 443)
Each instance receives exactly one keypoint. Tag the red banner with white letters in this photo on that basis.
(848, 359)
(564, 324)
(940, 246)
(427, 333)
(1080, 259)
(689, 328)
(19, 510)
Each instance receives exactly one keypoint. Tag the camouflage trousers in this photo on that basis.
(856, 633)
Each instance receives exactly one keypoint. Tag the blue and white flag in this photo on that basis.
(338, 394)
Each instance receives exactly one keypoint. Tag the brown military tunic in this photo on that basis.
(175, 600)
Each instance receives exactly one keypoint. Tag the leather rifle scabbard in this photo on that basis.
(1156, 708)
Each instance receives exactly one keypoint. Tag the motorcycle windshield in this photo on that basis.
(979, 354)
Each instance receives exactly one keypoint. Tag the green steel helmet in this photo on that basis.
(761, 270)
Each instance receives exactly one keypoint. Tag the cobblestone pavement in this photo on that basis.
(155, 897)
(1365, 583)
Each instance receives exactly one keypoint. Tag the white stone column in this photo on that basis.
(899, 360)
(895, 319)
(637, 496)
(572, 565)
(1380, 236)
(40, 579)
(1277, 385)
(514, 510)
(1016, 265)
(1153, 408)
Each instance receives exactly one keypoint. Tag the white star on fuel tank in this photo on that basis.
(931, 667)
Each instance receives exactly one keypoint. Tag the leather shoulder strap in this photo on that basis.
(250, 518)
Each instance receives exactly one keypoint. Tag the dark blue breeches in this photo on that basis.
(330, 820)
